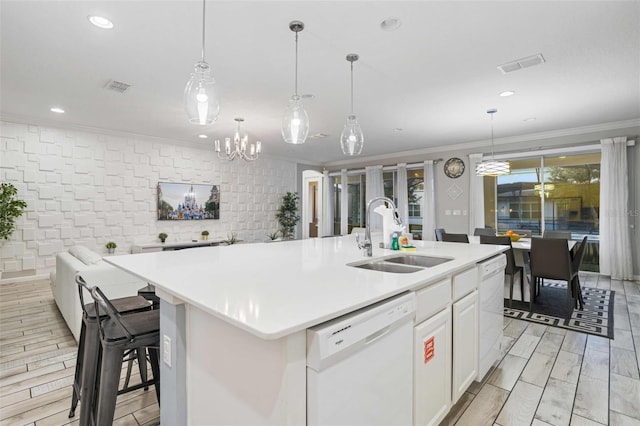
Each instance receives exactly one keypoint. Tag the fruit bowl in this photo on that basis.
(514, 237)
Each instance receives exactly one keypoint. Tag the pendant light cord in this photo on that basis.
(295, 91)
(203, 14)
(351, 87)
(492, 156)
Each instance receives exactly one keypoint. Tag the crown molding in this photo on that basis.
(476, 145)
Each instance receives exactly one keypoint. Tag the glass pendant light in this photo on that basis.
(200, 98)
(493, 167)
(352, 138)
(295, 122)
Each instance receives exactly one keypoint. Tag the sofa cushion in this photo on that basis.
(84, 255)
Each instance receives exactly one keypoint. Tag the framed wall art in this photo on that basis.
(188, 201)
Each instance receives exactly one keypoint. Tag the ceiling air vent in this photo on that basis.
(117, 86)
(521, 63)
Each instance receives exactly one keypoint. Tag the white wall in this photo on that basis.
(90, 188)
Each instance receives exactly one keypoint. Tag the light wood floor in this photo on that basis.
(551, 376)
(37, 364)
(547, 376)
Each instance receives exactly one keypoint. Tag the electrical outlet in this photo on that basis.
(166, 350)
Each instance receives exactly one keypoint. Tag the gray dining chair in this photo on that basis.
(439, 232)
(557, 234)
(550, 258)
(490, 232)
(511, 269)
(455, 238)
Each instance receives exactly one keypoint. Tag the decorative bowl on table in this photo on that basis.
(514, 237)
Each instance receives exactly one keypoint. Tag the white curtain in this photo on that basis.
(375, 188)
(615, 242)
(403, 195)
(476, 195)
(327, 184)
(429, 202)
(344, 203)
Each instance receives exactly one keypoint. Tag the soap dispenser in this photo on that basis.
(394, 242)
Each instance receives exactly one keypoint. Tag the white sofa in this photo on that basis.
(111, 280)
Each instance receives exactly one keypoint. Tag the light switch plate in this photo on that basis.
(166, 350)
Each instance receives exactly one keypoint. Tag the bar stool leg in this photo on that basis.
(111, 367)
(90, 369)
(155, 369)
(142, 365)
(77, 379)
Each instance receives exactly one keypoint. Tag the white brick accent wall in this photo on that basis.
(88, 188)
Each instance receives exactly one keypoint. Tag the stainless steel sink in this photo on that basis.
(418, 260)
(400, 264)
(386, 267)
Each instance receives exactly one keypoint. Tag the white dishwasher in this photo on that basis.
(359, 366)
(490, 321)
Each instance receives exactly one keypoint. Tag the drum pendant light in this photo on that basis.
(492, 167)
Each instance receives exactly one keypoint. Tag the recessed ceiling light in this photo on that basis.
(390, 24)
(398, 129)
(203, 136)
(100, 22)
(57, 110)
(507, 93)
(529, 119)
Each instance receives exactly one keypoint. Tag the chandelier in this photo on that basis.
(240, 145)
(492, 167)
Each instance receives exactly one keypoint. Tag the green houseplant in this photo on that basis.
(205, 234)
(111, 247)
(273, 235)
(162, 236)
(287, 215)
(231, 239)
(11, 208)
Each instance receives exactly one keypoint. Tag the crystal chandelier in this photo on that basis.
(295, 122)
(200, 98)
(240, 145)
(492, 167)
(352, 138)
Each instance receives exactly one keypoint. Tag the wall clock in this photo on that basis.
(454, 167)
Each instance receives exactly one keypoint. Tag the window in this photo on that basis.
(549, 193)
(415, 191)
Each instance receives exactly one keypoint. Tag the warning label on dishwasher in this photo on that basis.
(429, 349)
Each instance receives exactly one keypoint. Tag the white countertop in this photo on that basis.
(275, 289)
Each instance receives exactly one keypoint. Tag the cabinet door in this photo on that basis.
(465, 344)
(432, 369)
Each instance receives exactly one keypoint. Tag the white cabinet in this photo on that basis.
(465, 343)
(432, 369)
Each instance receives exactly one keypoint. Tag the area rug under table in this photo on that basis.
(549, 309)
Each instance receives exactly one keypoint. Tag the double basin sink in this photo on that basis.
(400, 264)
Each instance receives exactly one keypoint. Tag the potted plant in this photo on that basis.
(11, 208)
(273, 236)
(231, 239)
(162, 237)
(111, 247)
(287, 215)
(205, 234)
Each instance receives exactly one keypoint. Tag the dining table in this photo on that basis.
(520, 248)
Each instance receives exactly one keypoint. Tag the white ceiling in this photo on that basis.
(434, 77)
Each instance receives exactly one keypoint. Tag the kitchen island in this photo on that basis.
(234, 318)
